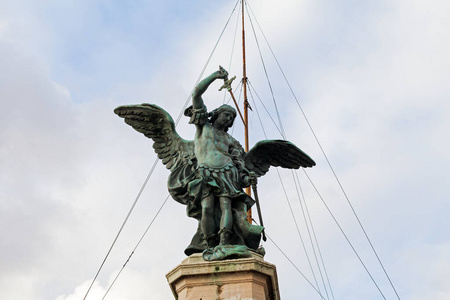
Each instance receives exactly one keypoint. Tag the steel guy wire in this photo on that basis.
(323, 152)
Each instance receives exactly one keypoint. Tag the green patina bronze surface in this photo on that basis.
(208, 174)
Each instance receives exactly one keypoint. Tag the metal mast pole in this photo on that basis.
(246, 104)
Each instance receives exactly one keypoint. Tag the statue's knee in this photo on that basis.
(225, 204)
(207, 210)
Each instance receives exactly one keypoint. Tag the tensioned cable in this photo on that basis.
(240, 87)
(299, 234)
(292, 263)
(123, 224)
(138, 243)
(342, 231)
(297, 181)
(156, 161)
(349, 241)
(207, 63)
(328, 162)
(265, 72)
(297, 184)
(238, 102)
(257, 112)
(234, 38)
(262, 126)
(265, 108)
(305, 172)
(284, 136)
(292, 212)
(232, 47)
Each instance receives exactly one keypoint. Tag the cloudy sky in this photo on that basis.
(371, 76)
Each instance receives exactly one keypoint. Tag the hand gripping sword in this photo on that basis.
(227, 85)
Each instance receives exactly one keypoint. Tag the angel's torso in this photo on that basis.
(212, 146)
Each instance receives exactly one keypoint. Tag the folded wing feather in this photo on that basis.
(156, 124)
(277, 153)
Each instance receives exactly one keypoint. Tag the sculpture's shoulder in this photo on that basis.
(204, 131)
(235, 144)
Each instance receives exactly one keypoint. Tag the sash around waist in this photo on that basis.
(225, 167)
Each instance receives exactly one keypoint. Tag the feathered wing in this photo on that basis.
(156, 124)
(277, 153)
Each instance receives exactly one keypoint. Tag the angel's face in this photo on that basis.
(225, 118)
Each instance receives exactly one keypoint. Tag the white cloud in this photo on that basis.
(428, 264)
(96, 292)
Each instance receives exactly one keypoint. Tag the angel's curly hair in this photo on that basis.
(215, 114)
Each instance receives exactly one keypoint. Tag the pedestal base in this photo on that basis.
(235, 279)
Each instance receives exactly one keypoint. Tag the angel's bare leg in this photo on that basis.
(207, 222)
(226, 220)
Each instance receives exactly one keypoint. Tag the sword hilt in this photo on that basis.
(227, 84)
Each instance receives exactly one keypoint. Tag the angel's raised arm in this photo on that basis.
(197, 101)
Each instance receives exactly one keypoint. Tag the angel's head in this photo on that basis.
(225, 114)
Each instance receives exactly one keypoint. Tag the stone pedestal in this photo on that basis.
(235, 279)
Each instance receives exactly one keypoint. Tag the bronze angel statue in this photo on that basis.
(209, 173)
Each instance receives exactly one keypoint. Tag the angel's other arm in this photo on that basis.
(203, 85)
